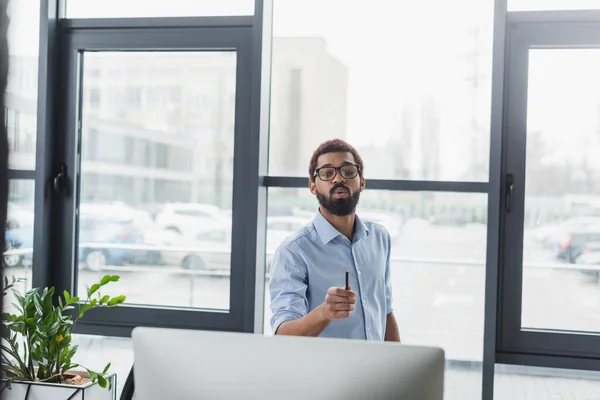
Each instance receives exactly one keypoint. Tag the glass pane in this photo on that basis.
(437, 269)
(411, 89)
(157, 175)
(21, 92)
(144, 8)
(541, 5)
(96, 351)
(562, 200)
(512, 382)
(18, 255)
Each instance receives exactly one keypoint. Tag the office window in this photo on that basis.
(21, 92)
(18, 256)
(95, 98)
(133, 219)
(97, 351)
(437, 268)
(144, 8)
(542, 5)
(562, 218)
(511, 381)
(134, 97)
(410, 89)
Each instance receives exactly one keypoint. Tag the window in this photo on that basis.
(410, 89)
(134, 97)
(94, 98)
(97, 351)
(437, 268)
(122, 226)
(216, 235)
(550, 230)
(143, 8)
(511, 381)
(562, 221)
(18, 256)
(21, 92)
(541, 5)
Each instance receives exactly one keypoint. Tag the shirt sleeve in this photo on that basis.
(287, 287)
(388, 280)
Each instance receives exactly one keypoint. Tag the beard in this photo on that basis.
(339, 207)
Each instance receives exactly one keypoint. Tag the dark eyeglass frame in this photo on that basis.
(337, 170)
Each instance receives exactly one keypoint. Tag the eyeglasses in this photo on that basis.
(348, 171)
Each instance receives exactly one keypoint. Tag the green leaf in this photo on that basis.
(74, 299)
(102, 381)
(104, 299)
(115, 278)
(116, 300)
(106, 368)
(60, 303)
(106, 279)
(38, 305)
(67, 296)
(54, 329)
(84, 308)
(93, 289)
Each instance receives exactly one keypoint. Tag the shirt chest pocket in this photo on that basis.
(371, 260)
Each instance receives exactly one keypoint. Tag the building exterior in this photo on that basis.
(159, 127)
(309, 95)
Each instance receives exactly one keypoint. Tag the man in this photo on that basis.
(308, 293)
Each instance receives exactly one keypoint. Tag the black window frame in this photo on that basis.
(54, 226)
(517, 345)
(62, 43)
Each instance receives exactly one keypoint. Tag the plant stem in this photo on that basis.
(29, 356)
(50, 378)
(58, 364)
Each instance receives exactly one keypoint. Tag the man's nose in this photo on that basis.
(338, 178)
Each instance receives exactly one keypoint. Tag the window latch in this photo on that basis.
(510, 184)
(60, 180)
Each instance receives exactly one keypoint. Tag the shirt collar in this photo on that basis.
(327, 232)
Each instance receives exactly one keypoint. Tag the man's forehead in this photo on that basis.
(338, 157)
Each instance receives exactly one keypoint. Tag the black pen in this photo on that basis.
(347, 275)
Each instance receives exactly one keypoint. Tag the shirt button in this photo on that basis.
(360, 273)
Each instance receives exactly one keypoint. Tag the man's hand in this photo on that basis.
(339, 303)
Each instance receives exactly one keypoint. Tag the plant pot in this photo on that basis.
(53, 391)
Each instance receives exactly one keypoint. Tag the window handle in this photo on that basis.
(60, 180)
(510, 185)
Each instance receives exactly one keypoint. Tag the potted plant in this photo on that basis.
(37, 352)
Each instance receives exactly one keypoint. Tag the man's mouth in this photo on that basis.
(340, 193)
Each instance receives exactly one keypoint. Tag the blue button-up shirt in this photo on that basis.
(316, 258)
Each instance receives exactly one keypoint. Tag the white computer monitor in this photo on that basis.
(185, 364)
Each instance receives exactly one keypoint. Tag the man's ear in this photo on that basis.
(312, 187)
(363, 183)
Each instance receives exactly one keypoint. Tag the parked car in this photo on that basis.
(209, 249)
(186, 218)
(550, 235)
(99, 241)
(574, 242)
(19, 246)
(590, 257)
